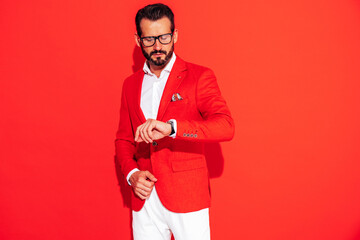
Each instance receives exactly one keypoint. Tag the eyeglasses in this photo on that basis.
(150, 41)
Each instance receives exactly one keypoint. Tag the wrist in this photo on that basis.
(172, 128)
(131, 174)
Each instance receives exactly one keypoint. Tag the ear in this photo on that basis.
(137, 39)
(175, 35)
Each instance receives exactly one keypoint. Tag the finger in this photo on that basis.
(144, 185)
(143, 192)
(150, 130)
(137, 133)
(140, 195)
(150, 176)
(141, 132)
(145, 130)
(143, 182)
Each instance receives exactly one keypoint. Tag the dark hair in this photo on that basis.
(154, 12)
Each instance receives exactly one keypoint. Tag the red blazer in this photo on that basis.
(178, 163)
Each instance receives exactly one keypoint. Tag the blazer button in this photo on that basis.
(184, 134)
(154, 143)
(195, 135)
(191, 135)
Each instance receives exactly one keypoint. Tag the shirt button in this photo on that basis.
(154, 143)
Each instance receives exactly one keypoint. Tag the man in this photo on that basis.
(169, 109)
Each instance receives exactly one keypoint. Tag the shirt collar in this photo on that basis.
(167, 68)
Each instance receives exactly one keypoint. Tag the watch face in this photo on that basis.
(172, 127)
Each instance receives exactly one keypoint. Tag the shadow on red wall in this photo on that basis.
(125, 190)
(138, 59)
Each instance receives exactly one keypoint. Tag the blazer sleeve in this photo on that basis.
(125, 143)
(217, 124)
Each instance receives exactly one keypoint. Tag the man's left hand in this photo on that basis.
(152, 130)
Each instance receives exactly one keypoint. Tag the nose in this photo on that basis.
(157, 45)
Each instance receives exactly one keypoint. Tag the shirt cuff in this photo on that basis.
(175, 128)
(130, 173)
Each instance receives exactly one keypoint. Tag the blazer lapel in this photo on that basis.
(138, 79)
(176, 76)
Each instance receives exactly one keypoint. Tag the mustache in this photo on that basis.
(157, 51)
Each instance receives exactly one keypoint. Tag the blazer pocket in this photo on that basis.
(188, 164)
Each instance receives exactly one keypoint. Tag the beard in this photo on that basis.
(158, 61)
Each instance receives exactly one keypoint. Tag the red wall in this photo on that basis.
(289, 70)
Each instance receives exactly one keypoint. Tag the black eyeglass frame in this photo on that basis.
(157, 38)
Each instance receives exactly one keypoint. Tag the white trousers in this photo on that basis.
(155, 222)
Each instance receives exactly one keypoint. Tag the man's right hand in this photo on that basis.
(142, 183)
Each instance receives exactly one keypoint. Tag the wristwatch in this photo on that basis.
(172, 127)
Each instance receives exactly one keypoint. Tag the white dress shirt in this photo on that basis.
(153, 88)
(151, 92)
